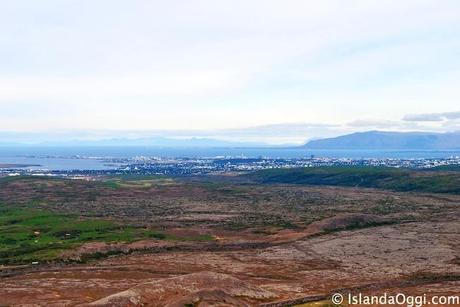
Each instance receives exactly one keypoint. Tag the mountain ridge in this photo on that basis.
(388, 140)
(145, 142)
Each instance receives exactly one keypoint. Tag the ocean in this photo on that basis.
(92, 158)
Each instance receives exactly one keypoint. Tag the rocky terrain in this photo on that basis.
(272, 245)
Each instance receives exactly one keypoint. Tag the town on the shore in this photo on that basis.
(142, 165)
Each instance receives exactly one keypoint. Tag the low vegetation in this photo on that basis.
(30, 235)
(403, 180)
(136, 181)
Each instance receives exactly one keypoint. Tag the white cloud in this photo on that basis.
(432, 117)
(205, 64)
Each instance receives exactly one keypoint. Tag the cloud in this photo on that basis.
(212, 65)
(274, 134)
(282, 133)
(366, 123)
(408, 125)
(432, 117)
(284, 129)
(393, 125)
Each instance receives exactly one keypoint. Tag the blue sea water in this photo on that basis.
(65, 158)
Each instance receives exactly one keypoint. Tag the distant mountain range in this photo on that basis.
(381, 140)
(164, 142)
(147, 142)
(370, 140)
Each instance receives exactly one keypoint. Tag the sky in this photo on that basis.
(257, 70)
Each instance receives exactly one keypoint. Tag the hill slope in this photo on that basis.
(402, 180)
(381, 140)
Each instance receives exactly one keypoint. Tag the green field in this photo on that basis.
(28, 235)
(136, 181)
(370, 177)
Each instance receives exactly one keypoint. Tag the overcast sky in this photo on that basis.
(299, 69)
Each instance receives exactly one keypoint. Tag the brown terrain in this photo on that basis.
(273, 245)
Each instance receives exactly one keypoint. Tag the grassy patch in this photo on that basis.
(28, 235)
(136, 181)
(196, 238)
(356, 225)
(453, 168)
(371, 177)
